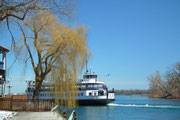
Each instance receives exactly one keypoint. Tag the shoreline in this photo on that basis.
(148, 95)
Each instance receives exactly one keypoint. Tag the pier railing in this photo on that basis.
(26, 104)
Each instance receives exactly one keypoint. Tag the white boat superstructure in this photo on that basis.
(91, 91)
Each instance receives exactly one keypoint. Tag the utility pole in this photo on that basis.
(9, 86)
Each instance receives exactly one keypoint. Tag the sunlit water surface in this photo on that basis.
(132, 108)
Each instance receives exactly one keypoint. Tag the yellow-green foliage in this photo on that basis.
(69, 61)
(60, 53)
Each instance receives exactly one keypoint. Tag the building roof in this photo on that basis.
(3, 49)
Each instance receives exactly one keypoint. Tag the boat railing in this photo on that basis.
(89, 79)
(92, 88)
(111, 91)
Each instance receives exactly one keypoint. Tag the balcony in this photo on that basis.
(2, 71)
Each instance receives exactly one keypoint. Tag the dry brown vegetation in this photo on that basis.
(167, 86)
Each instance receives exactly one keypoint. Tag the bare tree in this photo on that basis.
(55, 50)
(158, 87)
(19, 9)
(167, 88)
(173, 79)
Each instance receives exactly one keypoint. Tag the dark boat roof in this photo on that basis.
(90, 74)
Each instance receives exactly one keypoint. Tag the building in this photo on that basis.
(3, 52)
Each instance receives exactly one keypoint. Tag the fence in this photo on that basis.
(25, 104)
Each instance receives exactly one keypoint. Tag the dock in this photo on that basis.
(37, 116)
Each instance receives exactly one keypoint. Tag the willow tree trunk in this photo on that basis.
(38, 84)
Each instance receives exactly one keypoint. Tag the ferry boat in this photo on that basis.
(92, 91)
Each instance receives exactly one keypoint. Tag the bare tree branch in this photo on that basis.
(28, 48)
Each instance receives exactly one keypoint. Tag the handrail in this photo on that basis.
(72, 115)
(92, 88)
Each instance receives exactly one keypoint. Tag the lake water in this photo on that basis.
(132, 108)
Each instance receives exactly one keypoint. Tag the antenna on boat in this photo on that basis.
(103, 78)
(90, 70)
(86, 62)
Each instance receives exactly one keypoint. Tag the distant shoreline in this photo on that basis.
(131, 92)
(141, 93)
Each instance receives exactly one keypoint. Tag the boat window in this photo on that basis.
(83, 87)
(81, 94)
(90, 76)
(96, 86)
(90, 94)
(94, 76)
(100, 93)
(90, 86)
(86, 76)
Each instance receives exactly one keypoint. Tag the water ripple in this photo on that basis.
(145, 106)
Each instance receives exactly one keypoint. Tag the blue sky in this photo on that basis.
(131, 39)
(128, 39)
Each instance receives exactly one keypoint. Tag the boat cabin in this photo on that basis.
(90, 77)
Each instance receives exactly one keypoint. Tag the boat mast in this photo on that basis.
(86, 62)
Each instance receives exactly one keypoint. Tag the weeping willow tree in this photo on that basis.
(56, 51)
